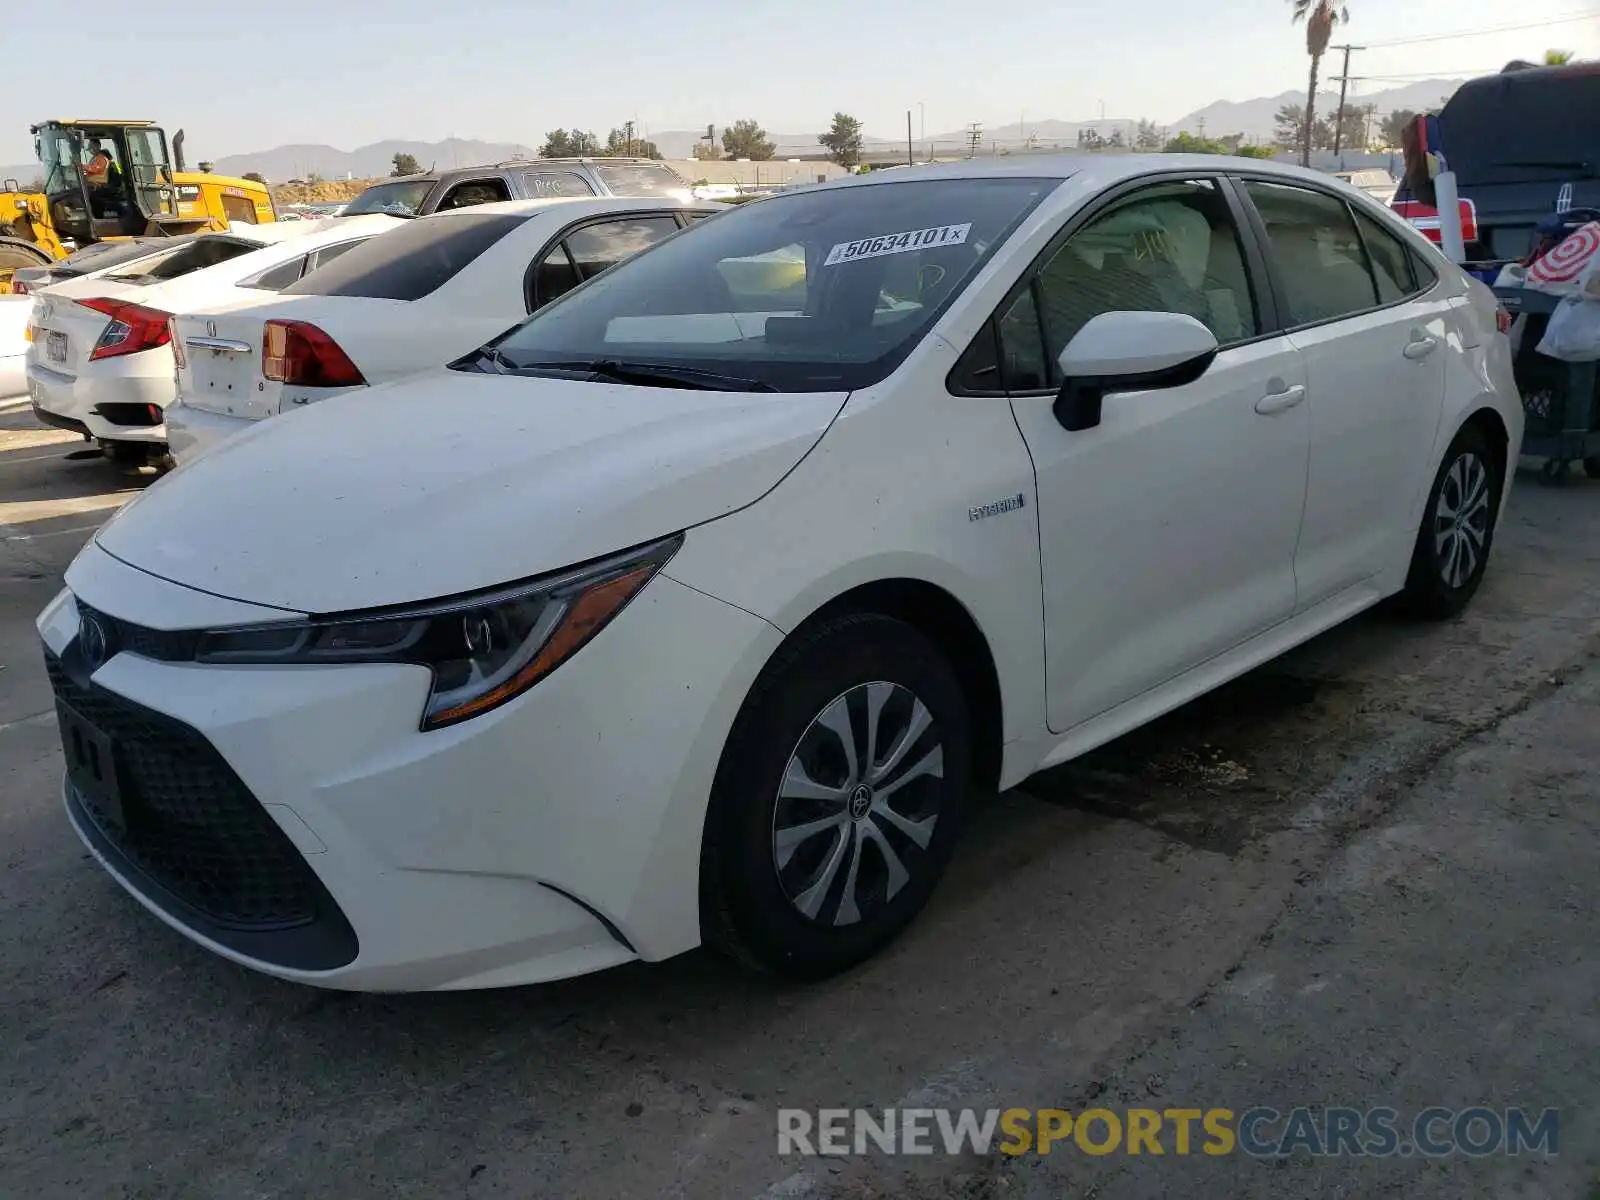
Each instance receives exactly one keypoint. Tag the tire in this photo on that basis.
(1451, 552)
(786, 904)
(126, 454)
(14, 254)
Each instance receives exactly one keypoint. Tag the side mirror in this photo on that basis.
(1128, 352)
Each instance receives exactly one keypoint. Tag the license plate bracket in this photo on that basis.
(55, 346)
(91, 762)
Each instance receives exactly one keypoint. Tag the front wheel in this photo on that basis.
(1452, 547)
(837, 800)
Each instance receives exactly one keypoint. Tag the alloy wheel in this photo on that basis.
(1461, 519)
(858, 803)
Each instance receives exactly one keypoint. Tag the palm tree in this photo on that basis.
(1320, 17)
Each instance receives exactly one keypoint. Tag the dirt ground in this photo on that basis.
(1362, 875)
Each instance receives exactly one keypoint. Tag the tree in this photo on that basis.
(1558, 58)
(1190, 143)
(255, 177)
(1392, 128)
(1116, 141)
(1288, 126)
(1320, 17)
(622, 142)
(1147, 137)
(1256, 151)
(1090, 139)
(706, 152)
(843, 140)
(406, 164)
(563, 143)
(746, 139)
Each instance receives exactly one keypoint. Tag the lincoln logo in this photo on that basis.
(93, 641)
(211, 329)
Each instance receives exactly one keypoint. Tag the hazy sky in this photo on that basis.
(302, 71)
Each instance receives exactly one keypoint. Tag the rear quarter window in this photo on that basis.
(410, 262)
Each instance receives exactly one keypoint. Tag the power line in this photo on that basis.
(1484, 32)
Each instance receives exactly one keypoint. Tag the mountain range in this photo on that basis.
(1255, 119)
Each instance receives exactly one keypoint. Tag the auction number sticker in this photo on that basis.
(898, 243)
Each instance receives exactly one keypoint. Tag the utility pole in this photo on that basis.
(911, 154)
(974, 139)
(627, 132)
(1344, 84)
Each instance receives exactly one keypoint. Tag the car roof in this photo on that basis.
(574, 207)
(1107, 168)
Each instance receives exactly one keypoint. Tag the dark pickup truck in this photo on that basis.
(1524, 145)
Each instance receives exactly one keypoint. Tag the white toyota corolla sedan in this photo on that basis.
(690, 609)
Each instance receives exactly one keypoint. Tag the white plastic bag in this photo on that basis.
(1572, 268)
(1573, 334)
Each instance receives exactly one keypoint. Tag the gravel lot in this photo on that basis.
(1362, 875)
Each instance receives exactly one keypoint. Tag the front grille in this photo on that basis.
(191, 828)
(164, 645)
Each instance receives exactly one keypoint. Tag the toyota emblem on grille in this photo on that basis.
(94, 641)
(211, 329)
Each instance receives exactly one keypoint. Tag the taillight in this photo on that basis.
(177, 343)
(298, 352)
(18, 288)
(133, 327)
(1502, 320)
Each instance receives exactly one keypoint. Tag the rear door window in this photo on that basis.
(412, 260)
(1321, 262)
(596, 247)
(1391, 265)
(277, 278)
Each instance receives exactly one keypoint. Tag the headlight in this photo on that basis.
(483, 649)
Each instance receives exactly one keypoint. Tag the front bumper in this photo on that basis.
(193, 431)
(556, 835)
(81, 403)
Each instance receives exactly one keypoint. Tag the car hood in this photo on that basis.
(452, 481)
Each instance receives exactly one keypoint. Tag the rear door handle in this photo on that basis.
(1277, 402)
(1420, 347)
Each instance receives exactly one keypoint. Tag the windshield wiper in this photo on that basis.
(488, 359)
(653, 374)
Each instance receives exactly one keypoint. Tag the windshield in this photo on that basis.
(193, 256)
(813, 291)
(402, 199)
(641, 179)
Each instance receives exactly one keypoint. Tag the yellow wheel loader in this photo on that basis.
(114, 181)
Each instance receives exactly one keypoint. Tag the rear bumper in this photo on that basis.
(75, 402)
(193, 431)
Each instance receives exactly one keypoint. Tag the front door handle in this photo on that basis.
(1277, 402)
(1420, 347)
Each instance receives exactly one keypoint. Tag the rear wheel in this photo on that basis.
(837, 800)
(1452, 547)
